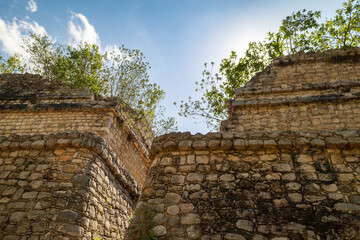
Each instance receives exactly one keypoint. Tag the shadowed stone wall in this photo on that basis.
(284, 166)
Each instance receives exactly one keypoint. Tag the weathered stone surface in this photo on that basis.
(199, 145)
(233, 236)
(185, 145)
(245, 225)
(288, 154)
(282, 167)
(214, 144)
(347, 207)
(159, 231)
(289, 177)
(227, 178)
(355, 199)
(194, 177)
(186, 207)
(172, 210)
(68, 216)
(329, 188)
(73, 230)
(295, 197)
(193, 232)
(159, 218)
(336, 196)
(17, 217)
(293, 186)
(280, 203)
(177, 179)
(190, 219)
(172, 198)
(239, 144)
(304, 159)
(202, 159)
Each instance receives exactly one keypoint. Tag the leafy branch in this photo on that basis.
(300, 31)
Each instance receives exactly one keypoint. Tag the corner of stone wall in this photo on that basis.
(69, 185)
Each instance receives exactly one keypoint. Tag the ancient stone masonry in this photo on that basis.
(70, 168)
(313, 91)
(284, 166)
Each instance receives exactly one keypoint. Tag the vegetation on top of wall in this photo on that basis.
(121, 74)
(300, 31)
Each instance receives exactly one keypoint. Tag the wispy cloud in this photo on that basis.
(32, 6)
(115, 50)
(81, 30)
(12, 34)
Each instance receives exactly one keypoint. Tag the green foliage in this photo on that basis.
(43, 53)
(300, 31)
(126, 78)
(215, 91)
(120, 74)
(141, 225)
(205, 107)
(81, 66)
(11, 65)
(295, 30)
(342, 31)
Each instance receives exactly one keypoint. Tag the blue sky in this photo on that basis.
(176, 36)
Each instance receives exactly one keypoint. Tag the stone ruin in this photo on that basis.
(70, 168)
(285, 165)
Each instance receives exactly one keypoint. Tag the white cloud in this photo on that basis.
(115, 50)
(81, 30)
(32, 6)
(13, 33)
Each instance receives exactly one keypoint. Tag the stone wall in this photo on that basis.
(312, 91)
(255, 186)
(32, 105)
(70, 166)
(284, 166)
(103, 122)
(315, 116)
(309, 68)
(63, 186)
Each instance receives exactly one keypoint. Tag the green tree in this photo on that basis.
(120, 74)
(126, 78)
(43, 54)
(11, 65)
(300, 31)
(341, 31)
(295, 30)
(80, 66)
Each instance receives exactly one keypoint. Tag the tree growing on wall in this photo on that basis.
(121, 74)
(300, 31)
